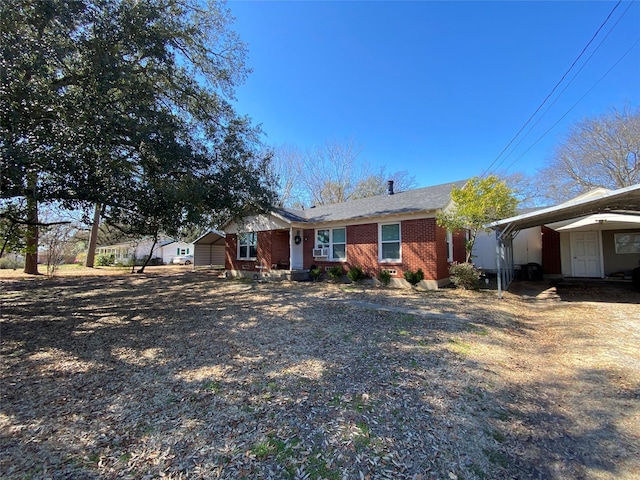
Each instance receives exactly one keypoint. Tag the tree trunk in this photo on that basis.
(93, 236)
(153, 245)
(31, 257)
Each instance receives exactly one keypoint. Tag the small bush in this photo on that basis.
(414, 278)
(104, 259)
(465, 275)
(384, 277)
(335, 273)
(314, 274)
(10, 263)
(356, 274)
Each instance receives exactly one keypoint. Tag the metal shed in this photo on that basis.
(209, 250)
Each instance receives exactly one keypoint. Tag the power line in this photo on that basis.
(561, 93)
(553, 89)
(576, 103)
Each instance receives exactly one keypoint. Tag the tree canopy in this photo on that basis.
(330, 173)
(478, 202)
(126, 104)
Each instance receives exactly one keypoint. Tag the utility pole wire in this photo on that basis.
(552, 90)
(577, 102)
(559, 95)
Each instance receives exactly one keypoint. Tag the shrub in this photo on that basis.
(314, 273)
(356, 274)
(335, 272)
(414, 278)
(384, 277)
(104, 259)
(10, 263)
(465, 275)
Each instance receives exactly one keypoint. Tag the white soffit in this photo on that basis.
(600, 221)
(625, 201)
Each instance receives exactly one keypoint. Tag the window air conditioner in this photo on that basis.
(320, 252)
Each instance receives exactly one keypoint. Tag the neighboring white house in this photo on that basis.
(175, 249)
(163, 252)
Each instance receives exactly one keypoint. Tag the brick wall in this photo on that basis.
(264, 249)
(423, 246)
(273, 248)
(279, 248)
(551, 263)
(231, 256)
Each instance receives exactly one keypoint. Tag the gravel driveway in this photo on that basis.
(184, 375)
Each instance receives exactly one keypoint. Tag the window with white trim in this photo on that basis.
(247, 245)
(449, 246)
(335, 241)
(390, 242)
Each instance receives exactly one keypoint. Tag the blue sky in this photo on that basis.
(435, 88)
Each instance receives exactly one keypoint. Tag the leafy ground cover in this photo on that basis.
(181, 374)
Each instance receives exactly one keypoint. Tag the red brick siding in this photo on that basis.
(424, 246)
(280, 248)
(309, 242)
(551, 251)
(264, 248)
(231, 255)
(362, 248)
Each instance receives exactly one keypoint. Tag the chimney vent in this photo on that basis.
(390, 187)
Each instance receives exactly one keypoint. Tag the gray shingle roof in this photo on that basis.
(412, 201)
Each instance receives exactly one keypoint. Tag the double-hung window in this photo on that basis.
(390, 242)
(334, 240)
(247, 245)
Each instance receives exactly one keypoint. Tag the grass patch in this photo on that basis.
(498, 436)
(212, 386)
(497, 458)
(477, 329)
(459, 346)
(317, 468)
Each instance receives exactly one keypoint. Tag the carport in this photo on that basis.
(618, 204)
(209, 250)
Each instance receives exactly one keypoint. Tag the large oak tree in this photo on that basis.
(125, 104)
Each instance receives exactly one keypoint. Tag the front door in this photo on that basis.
(585, 254)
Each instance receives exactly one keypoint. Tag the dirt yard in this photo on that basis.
(180, 374)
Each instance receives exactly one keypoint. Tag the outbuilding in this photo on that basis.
(209, 250)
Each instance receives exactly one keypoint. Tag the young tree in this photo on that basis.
(480, 201)
(602, 151)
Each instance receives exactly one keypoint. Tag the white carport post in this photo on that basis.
(498, 263)
(504, 258)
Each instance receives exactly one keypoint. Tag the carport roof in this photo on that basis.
(209, 238)
(625, 201)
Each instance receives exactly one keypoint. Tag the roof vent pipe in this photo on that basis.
(390, 187)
